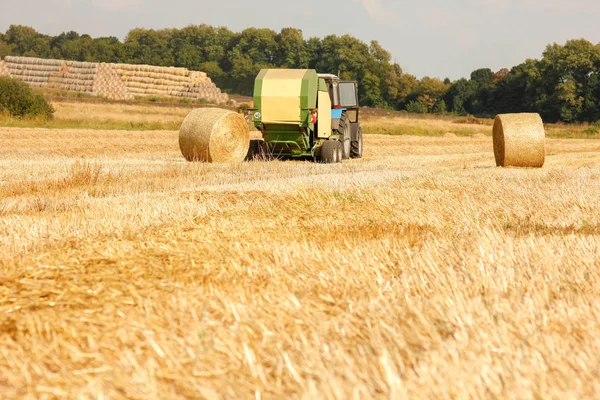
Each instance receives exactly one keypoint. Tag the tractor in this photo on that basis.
(301, 114)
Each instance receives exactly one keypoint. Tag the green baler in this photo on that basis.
(294, 112)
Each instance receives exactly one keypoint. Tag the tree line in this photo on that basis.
(564, 85)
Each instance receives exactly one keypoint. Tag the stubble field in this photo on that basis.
(420, 271)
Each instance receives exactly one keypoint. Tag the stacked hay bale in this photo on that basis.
(108, 83)
(4, 71)
(33, 71)
(147, 80)
(198, 77)
(74, 76)
(205, 90)
(113, 81)
(223, 98)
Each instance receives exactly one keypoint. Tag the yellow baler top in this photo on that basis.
(285, 96)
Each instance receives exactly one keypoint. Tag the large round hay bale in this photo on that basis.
(214, 135)
(519, 140)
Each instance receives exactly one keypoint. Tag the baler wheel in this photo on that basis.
(340, 151)
(257, 150)
(330, 152)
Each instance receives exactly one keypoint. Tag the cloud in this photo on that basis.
(376, 11)
(538, 5)
(118, 5)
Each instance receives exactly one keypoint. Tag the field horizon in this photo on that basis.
(143, 115)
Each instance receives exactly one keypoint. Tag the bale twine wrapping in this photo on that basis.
(519, 140)
(214, 135)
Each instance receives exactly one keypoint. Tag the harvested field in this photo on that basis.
(420, 271)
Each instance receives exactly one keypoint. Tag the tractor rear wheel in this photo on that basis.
(357, 145)
(344, 132)
(330, 152)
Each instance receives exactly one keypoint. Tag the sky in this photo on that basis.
(436, 38)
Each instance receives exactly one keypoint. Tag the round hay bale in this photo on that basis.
(519, 140)
(214, 135)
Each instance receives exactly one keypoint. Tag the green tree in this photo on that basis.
(292, 49)
(21, 38)
(215, 72)
(459, 95)
(380, 54)
(421, 105)
(428, 92)
(185, 53)
(243, 74)
(371, 89)
(19, 100)
(150, 47)
(345, 55)
(257, 45)
(5, 48)
(482, 81)
(567, 76)
(108, 49)
(197, 44)
(314, 46)
(439, 107)
(483, 78)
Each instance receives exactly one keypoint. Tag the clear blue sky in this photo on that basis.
(426, 37)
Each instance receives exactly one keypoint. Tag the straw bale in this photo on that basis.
(4, 71)
(81, 65)
(30, 68)
(83, 71)
(519, 140)
(223, 98)
(108, 83)
(155, 75)
(163, 81)
(32, 79)
(214, 135)
(32, 61)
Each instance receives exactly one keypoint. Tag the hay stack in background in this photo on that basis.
(4, 71)
(74, 76)
(108, 83)
(147, 80)
(214, 135)
(519, 140)
(33, 71)
(113, 81)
